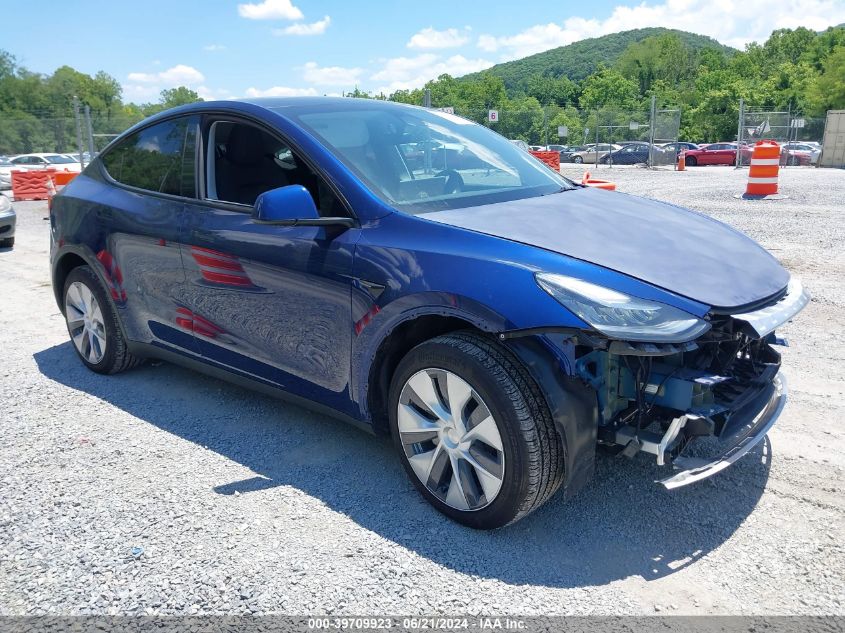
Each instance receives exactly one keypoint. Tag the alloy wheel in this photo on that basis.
(85, 322)
(451, 440)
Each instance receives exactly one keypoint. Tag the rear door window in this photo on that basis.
(159, 158)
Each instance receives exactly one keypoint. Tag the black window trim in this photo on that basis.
(209, 117)
(147, 192)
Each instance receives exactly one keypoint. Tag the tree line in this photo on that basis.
(796, 70)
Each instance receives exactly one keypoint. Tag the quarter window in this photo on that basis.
(158, 158)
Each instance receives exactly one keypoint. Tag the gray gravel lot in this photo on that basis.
(164, 491)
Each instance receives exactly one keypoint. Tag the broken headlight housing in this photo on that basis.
(621, 316)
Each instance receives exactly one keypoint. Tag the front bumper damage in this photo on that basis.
(696, 407)
(746, 436)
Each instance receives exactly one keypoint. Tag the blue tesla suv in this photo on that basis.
(420, 276)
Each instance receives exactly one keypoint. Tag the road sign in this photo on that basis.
(797, 123)
(447, 110)
(562, 131)
(493, 116)
(633, 125)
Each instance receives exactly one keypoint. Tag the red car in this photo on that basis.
(712, 154)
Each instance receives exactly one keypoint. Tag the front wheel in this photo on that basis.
(473, 431)
(691, 161)
(578, 159)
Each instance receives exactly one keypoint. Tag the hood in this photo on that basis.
(676, 249)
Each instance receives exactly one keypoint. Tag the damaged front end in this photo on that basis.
(697, 405)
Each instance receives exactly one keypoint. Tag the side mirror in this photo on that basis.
(292, 206)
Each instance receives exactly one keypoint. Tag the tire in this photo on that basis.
(794, 162)
(8, 242)
(578, 159)
(104, 350)
(529, 465)
(691, 161)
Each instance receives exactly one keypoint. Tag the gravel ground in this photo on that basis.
(163, 491)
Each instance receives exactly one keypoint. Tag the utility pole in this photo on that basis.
(427, 98)
(78, 131)
(651, 131)
(90, 131)
(739, 125)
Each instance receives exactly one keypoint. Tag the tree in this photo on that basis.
(828, 91)
(608, 88)
(173, 97)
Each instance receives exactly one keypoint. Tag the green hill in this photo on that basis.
(580, 59)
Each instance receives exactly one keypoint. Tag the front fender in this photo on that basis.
(377, 323)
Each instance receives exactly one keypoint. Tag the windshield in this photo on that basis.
(424, 160)
(59, 159)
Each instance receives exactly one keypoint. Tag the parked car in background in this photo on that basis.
(486, 318)
(556, 148)
(86, 156)
(633, 153)
(678, 147)
(566, 154)
(588, 153)
(712, 154)
(5, 173)
(7, 223)
(61, 162)
(797, 151)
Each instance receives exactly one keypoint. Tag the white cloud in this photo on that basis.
(140, 93)
(315, 28)
(214, 47)
(270, 10)
(210, 94)
(731, 22)
(330, 75)
(179, 75)
(405, 73)
(281, 91)
(431, 38)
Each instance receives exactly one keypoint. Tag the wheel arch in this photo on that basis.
(400, 340)
(65, 263)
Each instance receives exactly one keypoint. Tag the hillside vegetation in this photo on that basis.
(581, 59)
(796, 70)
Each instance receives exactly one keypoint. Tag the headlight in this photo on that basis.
(5, 205)
(621, 316)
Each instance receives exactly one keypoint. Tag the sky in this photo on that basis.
(227, 49)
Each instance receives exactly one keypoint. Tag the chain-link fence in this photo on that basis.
(600, 137)
(88, 133)
(789, 130)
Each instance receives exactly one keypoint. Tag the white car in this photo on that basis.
(5, 173)
(60, 162)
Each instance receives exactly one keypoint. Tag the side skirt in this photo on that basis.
(221, 372)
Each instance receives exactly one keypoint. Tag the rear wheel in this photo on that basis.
(691, 161)
(93, 326)
(473, 431)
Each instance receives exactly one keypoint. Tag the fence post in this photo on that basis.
(90, 130)
(739, 128)
(651, 132)
(78, 131)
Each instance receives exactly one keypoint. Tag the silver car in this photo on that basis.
(7, 223)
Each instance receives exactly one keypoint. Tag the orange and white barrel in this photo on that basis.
(763, 175)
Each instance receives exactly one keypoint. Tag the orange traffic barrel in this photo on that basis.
(763, 174)
(682, 160)
(589, 181)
